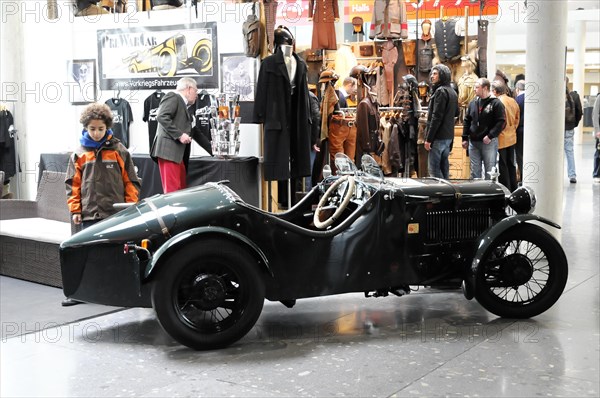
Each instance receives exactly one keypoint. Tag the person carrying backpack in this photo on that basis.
(573, 114)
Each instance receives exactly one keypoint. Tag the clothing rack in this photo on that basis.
(16, 177)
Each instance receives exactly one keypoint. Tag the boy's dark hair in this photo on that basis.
(96, 111)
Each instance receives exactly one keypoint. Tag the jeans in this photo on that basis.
(569, 153)
(478, 152)
(438, 165)
(597, 160)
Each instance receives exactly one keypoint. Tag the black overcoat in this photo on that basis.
(286, 118)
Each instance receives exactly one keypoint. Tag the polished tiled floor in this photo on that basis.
(430, 343)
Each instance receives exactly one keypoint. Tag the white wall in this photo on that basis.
(35, 52)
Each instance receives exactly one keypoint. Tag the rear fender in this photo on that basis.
(196, 233)
(489, 236)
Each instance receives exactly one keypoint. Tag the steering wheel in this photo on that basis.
(345, 201)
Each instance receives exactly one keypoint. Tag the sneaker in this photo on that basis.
(597, 179)
(573, 180)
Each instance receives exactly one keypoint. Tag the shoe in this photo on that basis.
(597, 179)
(573, 180)
(68, 302)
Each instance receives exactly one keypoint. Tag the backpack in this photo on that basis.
(251, 32)
(570, 112)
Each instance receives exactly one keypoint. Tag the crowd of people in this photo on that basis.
(493, 128)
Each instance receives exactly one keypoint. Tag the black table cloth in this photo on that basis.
(242, 173)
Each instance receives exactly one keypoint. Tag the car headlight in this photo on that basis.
(522, 200)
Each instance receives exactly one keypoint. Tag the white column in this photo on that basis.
(11, 76)
(491, 50)
(544, 136)
(579, 70)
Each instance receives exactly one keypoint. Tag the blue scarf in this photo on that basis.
(87, 141)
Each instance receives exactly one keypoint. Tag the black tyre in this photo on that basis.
(209, 294)
(522, 274)
(202, 56)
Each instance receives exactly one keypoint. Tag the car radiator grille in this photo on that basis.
(455, 225)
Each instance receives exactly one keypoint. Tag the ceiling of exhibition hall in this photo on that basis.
(511, 30)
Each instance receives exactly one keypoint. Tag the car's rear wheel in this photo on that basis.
(209, 294)
(202, 56)
(167, 62)
(522, 274)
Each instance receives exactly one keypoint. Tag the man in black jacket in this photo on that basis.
(483, 123)
(443, 108)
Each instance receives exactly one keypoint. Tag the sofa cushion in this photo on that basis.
(40, 229)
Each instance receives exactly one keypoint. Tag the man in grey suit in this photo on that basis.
(173, 134)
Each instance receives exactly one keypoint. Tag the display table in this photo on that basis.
(242, 173)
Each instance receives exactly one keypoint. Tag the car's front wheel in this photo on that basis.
(522, 274)
(167, 62)
(209, 294)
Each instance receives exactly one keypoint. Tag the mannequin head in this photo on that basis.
(358, 72)
(411, 82)
(328, 75)
(426, 28)
(283, 37)
(357, 24)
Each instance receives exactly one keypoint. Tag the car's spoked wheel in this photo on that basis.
(522, 274)
(208, 295)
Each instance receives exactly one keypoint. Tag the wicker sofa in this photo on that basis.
(31, 232)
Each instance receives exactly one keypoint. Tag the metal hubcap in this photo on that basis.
(209, 291)
(517, 270)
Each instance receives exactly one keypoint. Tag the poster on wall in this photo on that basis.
(238, 76)
(156, 57)
(81, 75)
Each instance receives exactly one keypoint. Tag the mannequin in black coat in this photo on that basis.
(285, 112)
